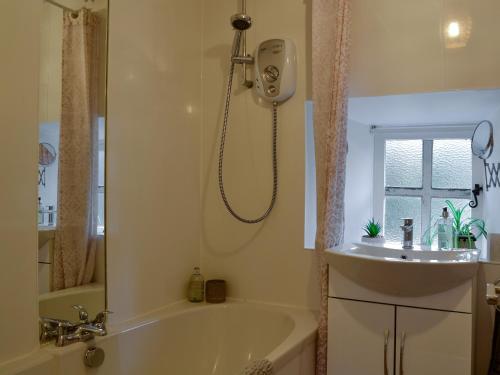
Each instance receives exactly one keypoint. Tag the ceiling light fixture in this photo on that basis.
(453, 29)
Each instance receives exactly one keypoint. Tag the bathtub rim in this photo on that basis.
(92, 287)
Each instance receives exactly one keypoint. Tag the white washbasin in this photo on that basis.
(392, 270)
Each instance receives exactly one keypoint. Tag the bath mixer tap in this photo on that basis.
(64, 332)
(407, 228)
(83, 315)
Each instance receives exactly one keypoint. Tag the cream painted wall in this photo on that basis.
(401, 46)
(153, 179)
(18, 126)
(264, 261)
(50, 64)
(359, 180)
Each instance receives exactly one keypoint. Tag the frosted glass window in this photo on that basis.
(438, 204)
(397, 208)
(452, 164)
(403, 163)
(100, 212)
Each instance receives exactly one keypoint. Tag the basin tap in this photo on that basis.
(407, 228)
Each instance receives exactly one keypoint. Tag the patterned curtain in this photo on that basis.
(331, 42)
(75, 240)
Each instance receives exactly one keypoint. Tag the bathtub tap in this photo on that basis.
(65, 332)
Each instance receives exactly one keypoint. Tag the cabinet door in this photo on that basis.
(433, 342)
(360, 338)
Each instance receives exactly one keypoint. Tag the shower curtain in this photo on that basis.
(76, 233)
(331, 42)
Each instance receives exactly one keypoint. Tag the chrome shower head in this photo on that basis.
(241, 21)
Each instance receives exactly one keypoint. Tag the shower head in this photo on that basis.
(241, 21)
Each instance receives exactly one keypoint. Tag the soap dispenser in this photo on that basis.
(196, 290)
(445, 230)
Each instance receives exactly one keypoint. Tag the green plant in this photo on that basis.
(470, 228)
(372, 228)
(429, 235)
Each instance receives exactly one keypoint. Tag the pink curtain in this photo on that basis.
(76, 234)
(331, 42)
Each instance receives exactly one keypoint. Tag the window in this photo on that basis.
(101, 177)
(416, 170)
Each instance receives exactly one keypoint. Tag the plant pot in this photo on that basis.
(373, 240)
(466, 242)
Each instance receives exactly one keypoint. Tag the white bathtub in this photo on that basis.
(59, 304)
(187, 339)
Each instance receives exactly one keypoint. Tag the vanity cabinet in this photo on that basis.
(360, 338)
(382, 339)
(433, 342)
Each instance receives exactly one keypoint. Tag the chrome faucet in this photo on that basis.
(64, 332)
(407, 228)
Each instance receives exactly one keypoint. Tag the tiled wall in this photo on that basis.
(153, 178)
(402, 46)
(265, 261)
(18, 126)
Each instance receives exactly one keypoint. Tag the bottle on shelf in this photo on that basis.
(40, 211)
(196, 290)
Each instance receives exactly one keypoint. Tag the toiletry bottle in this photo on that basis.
(445, 231)
(40, 211)
(196, 291)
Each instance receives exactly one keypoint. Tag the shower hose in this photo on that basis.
(221, 156)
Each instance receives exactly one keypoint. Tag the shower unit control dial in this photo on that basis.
(276, 69)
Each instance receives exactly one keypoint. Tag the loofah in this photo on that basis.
(258, 367)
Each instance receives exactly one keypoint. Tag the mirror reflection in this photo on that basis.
(72, 105)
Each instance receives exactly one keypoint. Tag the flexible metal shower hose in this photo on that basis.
(221, 156)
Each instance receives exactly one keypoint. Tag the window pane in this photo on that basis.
(437, 205)
(397, 208)
(452, 164)
(403, 163)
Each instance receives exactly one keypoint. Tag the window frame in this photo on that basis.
(427, 133)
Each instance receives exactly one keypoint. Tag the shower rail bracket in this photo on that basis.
(248, 59)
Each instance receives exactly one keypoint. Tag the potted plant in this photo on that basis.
(373, 230)
(428, 238)
(466, 231)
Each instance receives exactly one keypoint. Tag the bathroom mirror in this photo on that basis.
(482, 140)
(72, 128)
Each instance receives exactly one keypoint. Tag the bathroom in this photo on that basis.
(418, 72)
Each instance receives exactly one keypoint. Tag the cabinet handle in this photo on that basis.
(401, 352)
(386, 345)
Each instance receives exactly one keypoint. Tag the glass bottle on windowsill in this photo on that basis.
(445, 231)
(196, 290)
(40, 211)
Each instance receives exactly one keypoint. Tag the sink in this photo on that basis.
(390, 269)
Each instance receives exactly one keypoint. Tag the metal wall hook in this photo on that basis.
(475, 192)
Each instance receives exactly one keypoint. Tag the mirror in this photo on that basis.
(46, 154)
(482, 140)
(72, 108)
